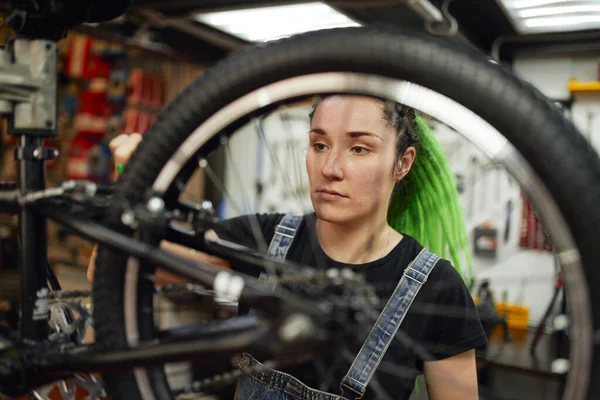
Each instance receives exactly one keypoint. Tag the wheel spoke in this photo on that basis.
(254, 223)
(292, 155)
(259, 127)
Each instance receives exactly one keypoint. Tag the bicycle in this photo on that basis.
(302, 315)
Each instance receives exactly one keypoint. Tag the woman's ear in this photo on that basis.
(405, 163)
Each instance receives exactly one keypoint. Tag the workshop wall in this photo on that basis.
(551, 73)
(527, 275)
(105, 89)
(508, 245)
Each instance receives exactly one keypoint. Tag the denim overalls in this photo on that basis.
(269, 384)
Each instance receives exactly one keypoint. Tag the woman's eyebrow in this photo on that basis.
(352, 134)
(355, 134)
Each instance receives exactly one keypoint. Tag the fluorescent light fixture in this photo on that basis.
(558, 21)
(543, 16)
(519, 4)
(268, 23)
(546, 11)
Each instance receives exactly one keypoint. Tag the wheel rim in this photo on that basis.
(467, 123)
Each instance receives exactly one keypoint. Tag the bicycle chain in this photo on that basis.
(68, 294)
(221, 380)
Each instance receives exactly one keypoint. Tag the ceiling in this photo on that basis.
(167, 26)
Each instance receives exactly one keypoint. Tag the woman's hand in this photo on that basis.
(122, 147)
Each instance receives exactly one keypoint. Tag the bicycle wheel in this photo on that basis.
(508, 119)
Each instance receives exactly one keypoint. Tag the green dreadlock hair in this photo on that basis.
(426, 205)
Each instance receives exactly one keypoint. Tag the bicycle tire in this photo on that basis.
(521, 113)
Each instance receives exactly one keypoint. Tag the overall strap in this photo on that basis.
(388, 323)
(284, 236)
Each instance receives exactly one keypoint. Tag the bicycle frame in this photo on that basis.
(205, 342)
(28, 83)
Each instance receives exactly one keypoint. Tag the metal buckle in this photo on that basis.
(418, 273)
(280, 229)
(358, 394)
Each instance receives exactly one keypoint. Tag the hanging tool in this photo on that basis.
(509, 209)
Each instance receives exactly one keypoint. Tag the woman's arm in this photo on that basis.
(164, 277)
(453, 378)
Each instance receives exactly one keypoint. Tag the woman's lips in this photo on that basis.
(330, 195)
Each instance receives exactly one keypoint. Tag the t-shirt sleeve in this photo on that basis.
(254, 231)
(456, 326)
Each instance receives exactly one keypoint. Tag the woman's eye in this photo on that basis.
(319, 146)
(359, 150)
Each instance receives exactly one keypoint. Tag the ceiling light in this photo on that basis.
(558, 21)
(545, 11)
(268, 23)
(519, 4)
(544, 16)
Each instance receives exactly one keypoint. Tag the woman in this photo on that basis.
(362, 149)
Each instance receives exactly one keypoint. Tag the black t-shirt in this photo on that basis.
(443, 318)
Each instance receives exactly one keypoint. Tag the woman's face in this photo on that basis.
(351, 160)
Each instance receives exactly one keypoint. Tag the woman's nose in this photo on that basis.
(332, 169)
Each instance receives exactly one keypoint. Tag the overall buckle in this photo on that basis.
(358, 395)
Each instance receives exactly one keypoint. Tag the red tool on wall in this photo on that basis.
(146, 97)
(533, 235)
